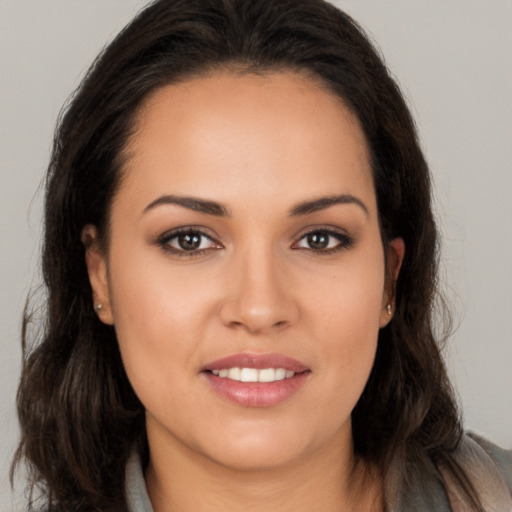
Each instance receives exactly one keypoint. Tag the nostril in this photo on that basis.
(258, 314)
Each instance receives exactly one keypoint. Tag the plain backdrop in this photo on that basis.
(454, 63)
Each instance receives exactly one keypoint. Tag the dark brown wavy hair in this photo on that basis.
(78, 413)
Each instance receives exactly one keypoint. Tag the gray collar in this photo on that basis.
(136, 493)
(418, 495)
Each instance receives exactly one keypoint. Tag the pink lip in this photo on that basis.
(257, 394)
(258, 361)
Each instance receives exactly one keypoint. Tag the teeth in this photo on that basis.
(248, 375)
(234, 374)
(254, 375)
(267, 375)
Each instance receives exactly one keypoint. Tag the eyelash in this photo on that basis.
(344, 242)
(165, 239)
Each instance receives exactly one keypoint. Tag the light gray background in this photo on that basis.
(453, 60)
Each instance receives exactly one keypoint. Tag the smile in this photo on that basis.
(256, 380)
(254, 374)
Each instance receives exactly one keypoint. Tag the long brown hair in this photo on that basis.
(78, 413)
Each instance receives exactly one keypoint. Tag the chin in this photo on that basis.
(258, 456)
(259, 451)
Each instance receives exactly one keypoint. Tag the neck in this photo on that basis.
(179, 479)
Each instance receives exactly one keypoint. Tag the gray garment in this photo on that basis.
(136, 493)
(422, 494)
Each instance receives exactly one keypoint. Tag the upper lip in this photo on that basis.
(257, 361)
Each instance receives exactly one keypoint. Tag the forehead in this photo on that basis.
(250, 130)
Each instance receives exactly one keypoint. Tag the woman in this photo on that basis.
(240, 258)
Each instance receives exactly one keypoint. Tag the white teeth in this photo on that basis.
(254, 375)
(267, 375)
(234, 374)
(280, 373)
(249, 375)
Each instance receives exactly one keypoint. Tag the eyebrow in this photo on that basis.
(218, 210)
(192, 203)
(325, 202)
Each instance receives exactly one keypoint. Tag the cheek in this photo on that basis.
(347, 308)
(349, 298)
(159, 317)
(150, 294)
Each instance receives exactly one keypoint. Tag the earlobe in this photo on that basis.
(96, 263)
(394, 259)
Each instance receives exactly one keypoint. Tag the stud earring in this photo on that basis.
(99, 307)
(389, 309)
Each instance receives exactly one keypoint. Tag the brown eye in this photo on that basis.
(324, 241)
(189, 241)
(318, 240)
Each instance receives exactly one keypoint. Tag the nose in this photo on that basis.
(260, 297)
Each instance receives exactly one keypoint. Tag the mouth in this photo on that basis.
(256, 380)
(253, 374)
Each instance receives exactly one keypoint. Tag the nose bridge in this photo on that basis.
(259, 299)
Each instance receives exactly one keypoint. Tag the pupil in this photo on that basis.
(318, 240)
(189, 241)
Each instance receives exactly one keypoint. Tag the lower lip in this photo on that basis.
(257, 394)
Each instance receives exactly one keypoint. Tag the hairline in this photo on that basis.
(235, 68)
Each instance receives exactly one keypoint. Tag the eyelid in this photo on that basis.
(345, 240)
(164, 239)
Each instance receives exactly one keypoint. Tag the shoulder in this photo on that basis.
(501, 458)
(425, 485)
(486, 467)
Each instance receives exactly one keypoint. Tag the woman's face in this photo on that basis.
(245, 235)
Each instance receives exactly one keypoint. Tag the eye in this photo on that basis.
(324, 240)
(187, 242)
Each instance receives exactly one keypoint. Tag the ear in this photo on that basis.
(96, 263)
(394, 259)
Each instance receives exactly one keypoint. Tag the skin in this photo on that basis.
(258, 146)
